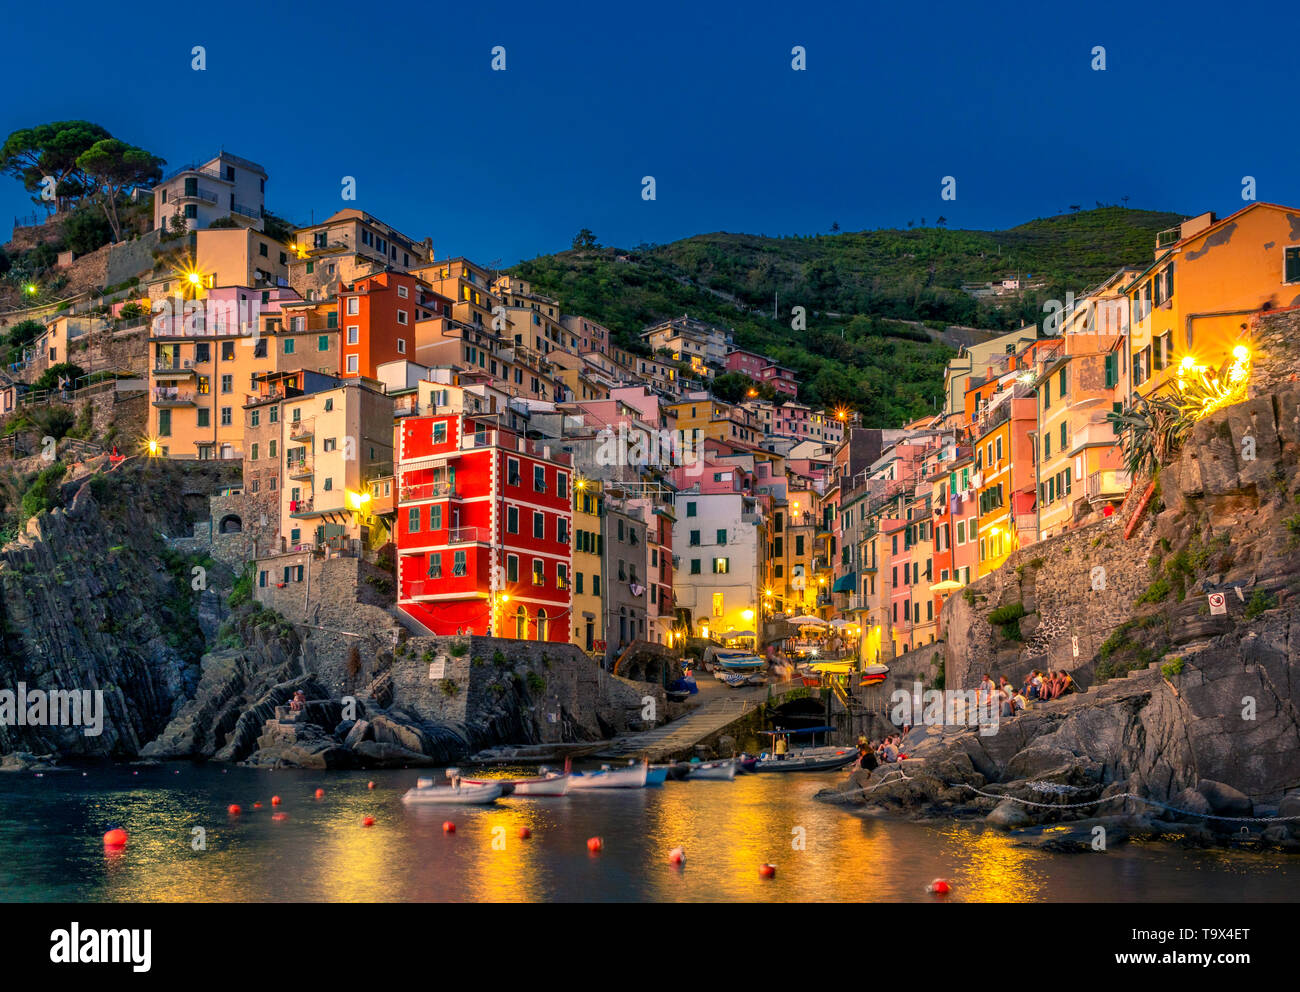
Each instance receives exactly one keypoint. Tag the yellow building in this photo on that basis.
(1193, 303)
(588, 611)
(333, 442)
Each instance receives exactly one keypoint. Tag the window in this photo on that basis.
(204, 417)
(561, 576)
(435, 518)
(440, 432)
(353, 363)
(1292, 269)
(539, 572)
(512, 520)
(435, 566)
(722, 535)
(539, 478)
(403, 292)
(252, 450)
(512, 471)
(401, 346)
(961, 532)
(354, 334)
(512, 568)
(1112, 371)
(690, 509)
(561, 485)
(227, 383)
(539, 525)
(695, 538)
(288, 346)
(227, 416)
(695, 566)
(354, 307)
(458, 567)
(721, 566)
(413, 520)
(323, 343)
(1062, 383)
(401, 317)
(1064, 437)
(717, 604)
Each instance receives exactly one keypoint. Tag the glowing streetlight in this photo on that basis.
(358, 500)
(748, 614)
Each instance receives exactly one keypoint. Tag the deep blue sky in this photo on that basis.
(510, 164)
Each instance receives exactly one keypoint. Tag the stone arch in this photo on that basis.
(230, 524)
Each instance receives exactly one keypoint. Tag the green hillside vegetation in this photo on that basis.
(858, 289)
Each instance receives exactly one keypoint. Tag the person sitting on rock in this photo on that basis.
(1067, 684)
(985, 691)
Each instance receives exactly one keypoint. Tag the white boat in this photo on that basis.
(462, 793)
(631, 777)
(546, 784)
(720, 771)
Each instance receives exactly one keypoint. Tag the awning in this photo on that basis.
(846, 583)
(1022, 503)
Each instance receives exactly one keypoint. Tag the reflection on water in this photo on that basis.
(51, 830)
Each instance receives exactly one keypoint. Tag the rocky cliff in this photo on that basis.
(1186, 705)
(93, 599)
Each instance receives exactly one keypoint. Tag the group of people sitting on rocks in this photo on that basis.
(872, 754)
(1038, 686)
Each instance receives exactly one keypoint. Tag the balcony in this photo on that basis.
(1026, 522)
(174, 371)
(302, 430)
(300, 507)
(206, 195)
(468, 535)
(245, 211)
(1108, 484)
(1096, 432)
(432, 490)
(168, 398)
(299, 468)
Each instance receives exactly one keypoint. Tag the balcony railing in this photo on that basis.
(299, 506)
(1107, 484)
(173, 397)
(301, 430)
(299, 468)
(1026, 522)
(246, 211)
(467, 535)
(198, 194)
(432, 490)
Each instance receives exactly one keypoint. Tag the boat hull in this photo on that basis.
(464, 794)
(829, 759)
(615, 778)
(541, 785)
(714, 771)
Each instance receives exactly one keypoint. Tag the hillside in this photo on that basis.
(859, 290)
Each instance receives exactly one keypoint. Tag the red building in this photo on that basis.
(482, 531)
(377, 315)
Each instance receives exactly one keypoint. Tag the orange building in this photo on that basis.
(378, 315)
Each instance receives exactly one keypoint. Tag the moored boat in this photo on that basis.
(546, 784)
(631, 777)
(718, 771)
(782, 758)
(460, 793)
(656, 775)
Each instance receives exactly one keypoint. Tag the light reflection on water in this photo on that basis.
(51, 847)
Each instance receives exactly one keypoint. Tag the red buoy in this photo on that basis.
(594, 844)
(320, 793)
(767, 871)
(524, 833)
(940, 887)
(257, 805)
(448, 827)
(370, 785)
(677, 856)
(369, 821)
(275, 800)
(115, 838)
(278, 817)
(233, 809)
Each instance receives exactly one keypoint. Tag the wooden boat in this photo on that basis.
(740, 662)
(631, 777)
(745, 764)
(546, 784)
(718, 771)
(735, 680)
(874, 675)
(656, 775)
(460, 793)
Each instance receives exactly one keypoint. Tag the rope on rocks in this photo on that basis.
(1119, 795)
(904, 777)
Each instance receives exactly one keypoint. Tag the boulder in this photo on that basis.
(378, 754)
(1190, 801)
(358, 732)
(1008, 815)
(1224, 800)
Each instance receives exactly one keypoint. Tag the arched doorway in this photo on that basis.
(230, 524)
(521, 624)
(541, 624)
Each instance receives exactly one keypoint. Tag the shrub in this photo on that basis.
(535, 682)
(1258, 603)
(44, 493)
(1156, 592)
(242, 592)
(1174, 666)
(449, 688)
(458, 649)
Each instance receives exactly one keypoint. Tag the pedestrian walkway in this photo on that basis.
(719, 706)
